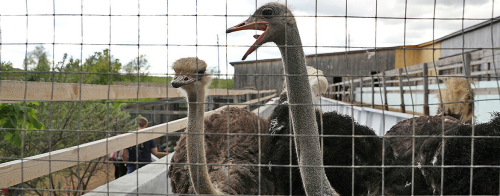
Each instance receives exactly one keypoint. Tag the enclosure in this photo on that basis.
(403, 97)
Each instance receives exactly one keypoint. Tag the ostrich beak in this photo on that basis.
(261, 25)
(179, 81)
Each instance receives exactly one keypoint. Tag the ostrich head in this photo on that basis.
(190, 74)
(273, 19)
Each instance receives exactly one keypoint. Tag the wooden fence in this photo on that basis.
(466, 65)
(18, 91)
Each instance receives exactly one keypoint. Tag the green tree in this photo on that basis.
(104, 64)
(70, 124)
(38, 62)
(12, 117)
(65, 67)
(6, 66)
(139, 65)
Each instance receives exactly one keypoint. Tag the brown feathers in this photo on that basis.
(457, 101)
(242, 149)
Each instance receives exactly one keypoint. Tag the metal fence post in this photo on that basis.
(343, 90)
(361, 88)
(467, 68)
(373, 92)
(426, 90)
(386, 105)
(401, 92)
(248, 99)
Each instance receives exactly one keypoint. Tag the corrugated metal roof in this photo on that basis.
(471, 28)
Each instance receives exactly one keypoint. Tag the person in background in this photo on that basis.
(143, 150)
(120, 168)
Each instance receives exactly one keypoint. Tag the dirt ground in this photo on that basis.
(100, 178)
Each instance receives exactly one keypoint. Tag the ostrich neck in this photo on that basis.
(196, 144)
(303, 115)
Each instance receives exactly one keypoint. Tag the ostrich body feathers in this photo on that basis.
(243, 149)
(337, 152)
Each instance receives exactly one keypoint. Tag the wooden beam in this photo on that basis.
(13, 91)
(480, 91)
(156, 112)
(36, 166)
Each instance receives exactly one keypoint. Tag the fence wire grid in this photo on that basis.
(406, 97)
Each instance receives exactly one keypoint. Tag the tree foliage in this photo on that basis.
(104, 65)
(39, 65)
(63, 124)
(12, 117)
(6, 66)
(139, 65)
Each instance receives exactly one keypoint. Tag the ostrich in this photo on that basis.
(457, 152)
(197, 148)
(426, 150)
(368, 148)
(279, 26)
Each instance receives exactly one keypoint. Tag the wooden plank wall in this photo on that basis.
(268, 74)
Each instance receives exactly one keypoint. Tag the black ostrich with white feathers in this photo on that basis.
(337, 130)
(457, 152)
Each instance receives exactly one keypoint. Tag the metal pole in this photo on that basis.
(361, 88)
(401, 92)
(426, 90)
(467, 67)
(386, 105)
(373, 92)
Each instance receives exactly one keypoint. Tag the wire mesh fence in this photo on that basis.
(150, 97)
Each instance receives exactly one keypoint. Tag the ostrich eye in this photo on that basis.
(267, 12)
(201, 71)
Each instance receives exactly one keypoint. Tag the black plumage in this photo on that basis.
(337, 151)
(457, 152)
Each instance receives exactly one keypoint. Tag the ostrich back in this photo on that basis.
(398, 180)
(337, 151)
(457, 152)
(229, 150)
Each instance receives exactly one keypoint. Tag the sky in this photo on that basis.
(130, 28)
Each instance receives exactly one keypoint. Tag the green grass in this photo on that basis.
(155, 79)
(224, 84)
(215, 82)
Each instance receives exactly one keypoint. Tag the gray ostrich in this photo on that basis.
(279, 26)
(227, 173)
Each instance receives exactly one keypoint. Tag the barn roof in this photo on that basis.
(471, 28)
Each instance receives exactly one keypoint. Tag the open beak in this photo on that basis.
(179, 81)
(261, 25)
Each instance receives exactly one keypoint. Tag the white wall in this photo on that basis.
(484, 104)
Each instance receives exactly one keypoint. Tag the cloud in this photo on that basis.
(183, 31)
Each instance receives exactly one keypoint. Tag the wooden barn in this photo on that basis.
(268, 73)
